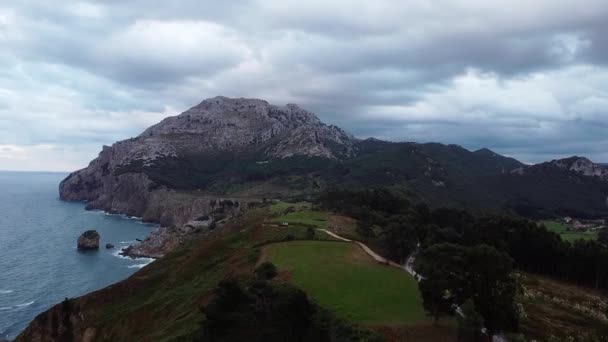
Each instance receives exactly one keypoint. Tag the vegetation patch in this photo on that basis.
(567, 233)
(554, 309)
(341, 277)
(276, 233)
(305, 217)
(281, 208)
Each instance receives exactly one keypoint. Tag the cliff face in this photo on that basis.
(215, 126)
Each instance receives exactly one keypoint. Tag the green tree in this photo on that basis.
(399, 239)
(492, 288)
(365, 229)
(310, 233)
(470, 323)
(443, 280)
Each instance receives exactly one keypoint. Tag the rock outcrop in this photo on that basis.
(165, 239)
(109, 246)
(215, 126)
(88, 240)
(583, 166)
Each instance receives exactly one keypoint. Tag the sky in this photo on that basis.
(528, 79)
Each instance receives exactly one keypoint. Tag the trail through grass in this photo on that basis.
(342, 277)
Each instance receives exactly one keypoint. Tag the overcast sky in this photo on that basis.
(528, 79)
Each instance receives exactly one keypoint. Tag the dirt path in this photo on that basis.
(408, 267)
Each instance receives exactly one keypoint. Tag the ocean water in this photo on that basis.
(39, 262)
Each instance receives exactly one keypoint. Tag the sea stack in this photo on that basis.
(88, 240)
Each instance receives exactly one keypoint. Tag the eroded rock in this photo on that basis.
(88, 240)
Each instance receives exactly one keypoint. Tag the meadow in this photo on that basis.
(343, 278)
(569, 235)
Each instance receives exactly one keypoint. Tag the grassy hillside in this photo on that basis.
(166, 300)
(342, 277)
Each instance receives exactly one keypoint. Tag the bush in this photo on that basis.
(310, 233)
(266, 271)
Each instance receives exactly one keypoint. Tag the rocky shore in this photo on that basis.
(163, 239)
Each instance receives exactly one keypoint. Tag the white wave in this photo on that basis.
(6, 291)
(128, 242)
(5, 308)
(117, 254)
(147, 261)
(24, 304)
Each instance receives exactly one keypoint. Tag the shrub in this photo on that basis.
(266, 271)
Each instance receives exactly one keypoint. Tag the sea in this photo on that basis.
(39, 263)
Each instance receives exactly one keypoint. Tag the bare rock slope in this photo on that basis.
(217, 125)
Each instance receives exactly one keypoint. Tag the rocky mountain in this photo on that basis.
(583, 166)
(119, 179)
(246, 150)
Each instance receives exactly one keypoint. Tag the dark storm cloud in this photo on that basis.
(528, 79)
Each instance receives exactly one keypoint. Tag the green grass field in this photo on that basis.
(341, 277)
(567, 235)
(280, 208)
(271, 233)
(305, 217)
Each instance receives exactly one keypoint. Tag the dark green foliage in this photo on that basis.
(492, 288)
(261, 311)
(310, 233)
(452, 274)
(399, 240)
(469, 324)
(433, 173)
(444, 279)
(266, 271)
(532, 247)
(365, 229)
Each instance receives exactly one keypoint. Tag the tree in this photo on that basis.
(492, 288)
(259, 312)
(365, 229)
(310, 233)
(470, 323)
(443, 280)
(399, 239)
(452, 274)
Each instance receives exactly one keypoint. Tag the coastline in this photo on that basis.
(39, 259)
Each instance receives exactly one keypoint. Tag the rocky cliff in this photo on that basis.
(115, 180)
(583, 166)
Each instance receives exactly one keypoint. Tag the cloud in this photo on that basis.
(527, 79)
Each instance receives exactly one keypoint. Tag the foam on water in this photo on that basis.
(145, 263)
(6, 291)
(6, 308)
